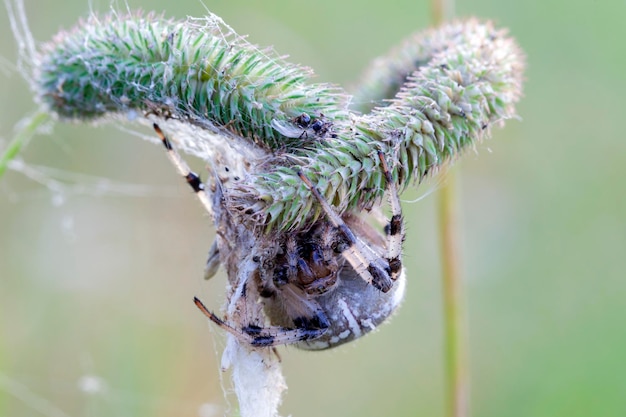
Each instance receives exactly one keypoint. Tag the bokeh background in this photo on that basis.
(96, 284)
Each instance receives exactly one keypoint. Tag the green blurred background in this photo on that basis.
(96, 317)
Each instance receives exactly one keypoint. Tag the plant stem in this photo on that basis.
(456, 346)
(455, 334)
(442, 10)
(20, 139)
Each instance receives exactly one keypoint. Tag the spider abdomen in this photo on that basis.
(355, 309)
(322, 286)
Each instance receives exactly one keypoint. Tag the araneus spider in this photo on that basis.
(320, 286)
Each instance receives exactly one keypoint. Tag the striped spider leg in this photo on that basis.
(308, 318)
(371, 267)
(183, 169)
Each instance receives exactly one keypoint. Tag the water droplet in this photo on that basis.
(67, 226)
(208, 410)
(58, 199)
(91, 384)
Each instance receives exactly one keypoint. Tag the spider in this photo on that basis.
(321, 286)
(304, 127)
(318, 125)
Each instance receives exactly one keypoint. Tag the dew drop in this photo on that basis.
(91, 384)
(67, 225)
(208, 410)
(58, 199)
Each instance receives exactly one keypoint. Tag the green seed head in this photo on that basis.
(197, 70)
(430, 98)
(446, 88)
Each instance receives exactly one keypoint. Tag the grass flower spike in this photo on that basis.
(444, 90)
(197, 70)
(438, 93)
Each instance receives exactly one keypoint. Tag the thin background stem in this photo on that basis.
(19, 140)
(455, 332)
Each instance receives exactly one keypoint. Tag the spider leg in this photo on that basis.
(307, 328)
(183, 169)
(362, 258)
(395, 228)
(213, 261)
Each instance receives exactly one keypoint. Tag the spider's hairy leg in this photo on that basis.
(395, 229)
(183, 169)
(268, 336)
(363, 259)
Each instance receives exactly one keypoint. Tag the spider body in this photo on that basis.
(304, 120)
(320, 286)
(309, 259)
(339, 304)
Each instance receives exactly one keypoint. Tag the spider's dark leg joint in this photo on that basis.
(258, 338)
(208, 313)
(395, 225)
(318, 322)
(380, 279)
(263, 341)
(194, 181)
(252, 329)
(254, 334)
(395, 265)
(347, 234)
(395, 228)
(311, 327)
(164, 139)
(191, 177)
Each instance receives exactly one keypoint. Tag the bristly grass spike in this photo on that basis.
(466, 76)
(463, 78)
(197, 71)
